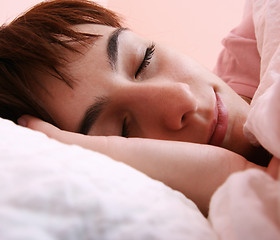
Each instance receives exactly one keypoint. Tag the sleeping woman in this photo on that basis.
(70, 69)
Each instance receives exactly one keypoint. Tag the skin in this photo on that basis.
(169, 109)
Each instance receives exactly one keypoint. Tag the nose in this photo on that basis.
(165, 106)
(176, 105)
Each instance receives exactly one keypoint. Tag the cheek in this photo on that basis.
(180, 67)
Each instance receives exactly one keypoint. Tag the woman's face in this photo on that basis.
(128, 86)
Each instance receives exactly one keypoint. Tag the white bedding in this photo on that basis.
(264, 119)
(49, 191)
(247, 205)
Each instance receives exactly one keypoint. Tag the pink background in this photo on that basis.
(194, 27)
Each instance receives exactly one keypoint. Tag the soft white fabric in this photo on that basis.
(264, 119)
(247, 205)
(50, 191)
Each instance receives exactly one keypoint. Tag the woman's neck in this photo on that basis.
(259, 156)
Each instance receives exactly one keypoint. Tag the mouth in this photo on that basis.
(220, 123)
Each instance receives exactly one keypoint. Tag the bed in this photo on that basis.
(50, 190)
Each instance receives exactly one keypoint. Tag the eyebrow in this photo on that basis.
(92, 114)
(94, 111)
(112, 47)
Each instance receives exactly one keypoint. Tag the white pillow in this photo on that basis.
(49, 190)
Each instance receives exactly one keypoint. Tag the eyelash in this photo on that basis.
(147, 60)
(125, 130)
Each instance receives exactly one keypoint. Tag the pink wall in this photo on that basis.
(192, 26)
(195, 27)
(12, 8)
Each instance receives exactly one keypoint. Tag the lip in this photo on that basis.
(220, 122)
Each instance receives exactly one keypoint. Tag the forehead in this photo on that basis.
(103, 30)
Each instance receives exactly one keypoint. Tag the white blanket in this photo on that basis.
(247, 206)
(50, 191)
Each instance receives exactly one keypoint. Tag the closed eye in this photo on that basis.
(125, 130)
(146, 60)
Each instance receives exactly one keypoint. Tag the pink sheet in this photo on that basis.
(247, 206)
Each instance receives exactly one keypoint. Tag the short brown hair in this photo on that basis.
(30, 43)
